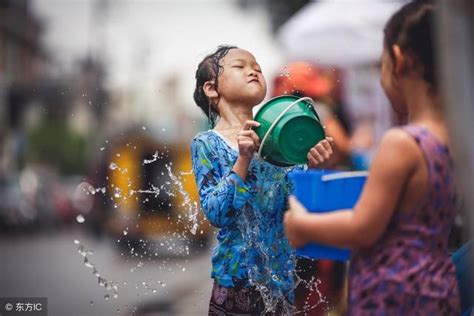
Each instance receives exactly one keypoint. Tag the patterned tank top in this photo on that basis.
(413, 251)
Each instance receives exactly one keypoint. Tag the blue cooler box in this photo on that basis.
(325, 191)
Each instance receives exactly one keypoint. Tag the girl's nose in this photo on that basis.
(253, 72)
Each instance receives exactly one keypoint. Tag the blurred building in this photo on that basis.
(20, 54)
(21, 61)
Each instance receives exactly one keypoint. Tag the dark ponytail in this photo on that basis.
(209, 69)
(411, 28)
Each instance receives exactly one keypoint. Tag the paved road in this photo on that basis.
(49, 265)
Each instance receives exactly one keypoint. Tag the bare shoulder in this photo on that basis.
(399, 147)
(399, 140)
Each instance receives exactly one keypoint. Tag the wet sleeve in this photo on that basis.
(221, 195)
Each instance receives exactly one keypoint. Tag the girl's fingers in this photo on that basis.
(327, 145)
(330, 140)
(245, 141)
(316, 155)
(251, 134)
(249, 124)
(246, 144)
(322, 151)
(312, 161)
(293, 202)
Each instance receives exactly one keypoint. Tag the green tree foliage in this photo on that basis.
(53, 142)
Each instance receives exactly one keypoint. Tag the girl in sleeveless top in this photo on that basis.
(399, 227)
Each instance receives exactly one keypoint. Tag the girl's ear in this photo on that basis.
(403, 63)
(210, 89)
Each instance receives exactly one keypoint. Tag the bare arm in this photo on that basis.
(391, 169)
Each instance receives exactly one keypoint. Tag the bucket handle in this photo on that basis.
(264, 139)
(344, 175)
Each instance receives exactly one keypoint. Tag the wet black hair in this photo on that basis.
(209, 69)
(412, 28)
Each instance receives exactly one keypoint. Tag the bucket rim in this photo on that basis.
(294, 97)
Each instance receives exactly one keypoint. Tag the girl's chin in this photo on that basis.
(254, 100)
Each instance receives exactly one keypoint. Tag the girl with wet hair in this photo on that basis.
(399, 228)
(241, 194)
(209, 70)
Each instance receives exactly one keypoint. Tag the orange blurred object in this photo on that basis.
(302, 78)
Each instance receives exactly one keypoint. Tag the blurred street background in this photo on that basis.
(98, 208)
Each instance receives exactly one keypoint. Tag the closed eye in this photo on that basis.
(237, 66)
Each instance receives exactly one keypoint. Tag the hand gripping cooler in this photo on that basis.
(322, 191)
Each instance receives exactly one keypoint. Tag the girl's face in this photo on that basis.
(389, 83)
(242, 80)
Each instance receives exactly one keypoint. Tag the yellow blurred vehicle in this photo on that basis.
(152, 196)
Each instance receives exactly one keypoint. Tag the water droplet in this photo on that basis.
(184, 269)
(113, 166)
(101, 281)
(125, 233)
(92, 302)
(115, 295)
(163, 129)
(77, 242)
(87, 263)
(81, 250)
(117, 193)
(80, 219)
(91, 190)
(154, 290)
(143, 127)
(102, 148)
(106, 297)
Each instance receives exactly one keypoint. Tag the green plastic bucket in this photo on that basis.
(289, 127)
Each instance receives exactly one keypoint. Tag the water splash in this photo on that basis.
(261, 275)
(155, 157)
(192, 206)
(285, 72)
(108, 285)
(80, 219)
(153, 190)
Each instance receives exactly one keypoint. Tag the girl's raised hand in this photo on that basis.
(248, 140)
(293, 219)
(319, 155)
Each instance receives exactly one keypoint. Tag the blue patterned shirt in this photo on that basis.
(252, 248)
